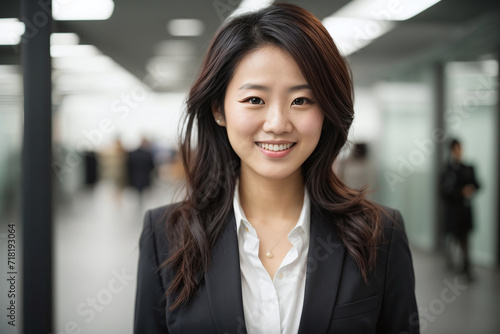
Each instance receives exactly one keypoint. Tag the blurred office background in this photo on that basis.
(424, 72)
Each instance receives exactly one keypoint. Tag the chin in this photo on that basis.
(275, 175)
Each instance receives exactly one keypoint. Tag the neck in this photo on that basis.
(265, 200)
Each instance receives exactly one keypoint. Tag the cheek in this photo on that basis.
(311, 125)
(239, 121)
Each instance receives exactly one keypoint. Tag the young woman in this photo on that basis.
(267, 239)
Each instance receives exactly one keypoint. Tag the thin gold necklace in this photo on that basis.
(268, 252)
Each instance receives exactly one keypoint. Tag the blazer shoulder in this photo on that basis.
(392, 222)
(394, 246)
(154, 229)
(157, 216)
(390, 217)
(159, 213)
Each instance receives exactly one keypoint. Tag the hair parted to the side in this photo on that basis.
(212, 167)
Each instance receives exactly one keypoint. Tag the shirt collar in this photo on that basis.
(304, 221)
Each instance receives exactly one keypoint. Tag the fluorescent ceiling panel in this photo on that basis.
(351, 34)
(403, 93)
(73, 51)
(175, 47)
(11, 31)
(247, 6)
(116, 80)
(166, 70)
(185, 27)
(92, 64)
(359, 22)
(64, 38)
(391, 10)
(82, 10)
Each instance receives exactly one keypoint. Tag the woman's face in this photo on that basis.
(272, 119)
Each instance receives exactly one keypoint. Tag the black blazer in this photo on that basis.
(457, 209)
(337, 300)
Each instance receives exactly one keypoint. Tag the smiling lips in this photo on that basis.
(275, 147)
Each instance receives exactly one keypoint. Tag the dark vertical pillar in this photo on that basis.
(498, 162)
(36, 199)
(439, 108)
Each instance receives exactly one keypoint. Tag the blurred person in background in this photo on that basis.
(458, 185)
(165, 157)
(267, 238)
(140, 165)
(356, 170)
(112, 167)
(176, 169)
(90, 159)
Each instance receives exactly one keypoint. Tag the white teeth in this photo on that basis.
(275, 148)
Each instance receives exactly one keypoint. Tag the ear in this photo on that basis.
(217, 113)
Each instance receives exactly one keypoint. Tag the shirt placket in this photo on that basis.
(268, 314)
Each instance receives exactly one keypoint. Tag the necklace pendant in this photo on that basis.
(269, 254)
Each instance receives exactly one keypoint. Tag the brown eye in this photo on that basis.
(299, 101)
(255, 100)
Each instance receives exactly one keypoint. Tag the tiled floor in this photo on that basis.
(96, 257)
(96, 254)
(450, 305)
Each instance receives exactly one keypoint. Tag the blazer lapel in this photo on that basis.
(223, 282)
(324, 265)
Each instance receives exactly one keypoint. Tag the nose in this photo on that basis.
(277, 120)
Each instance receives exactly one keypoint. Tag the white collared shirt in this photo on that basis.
(272, 306)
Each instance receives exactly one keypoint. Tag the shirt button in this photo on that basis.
(246, 228)
(280, 276)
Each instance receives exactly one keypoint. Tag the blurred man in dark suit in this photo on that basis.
(140, 164)
(458, 185)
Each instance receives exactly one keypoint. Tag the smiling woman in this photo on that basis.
(269, 107)
(270, 110)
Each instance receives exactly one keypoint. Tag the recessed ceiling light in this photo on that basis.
(81, 10)
(185, 27)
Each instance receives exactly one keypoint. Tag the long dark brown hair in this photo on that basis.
(212, 166)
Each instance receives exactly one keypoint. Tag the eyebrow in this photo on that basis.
(264, 88)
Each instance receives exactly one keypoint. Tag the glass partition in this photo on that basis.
(405, 152)
(471, 117)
